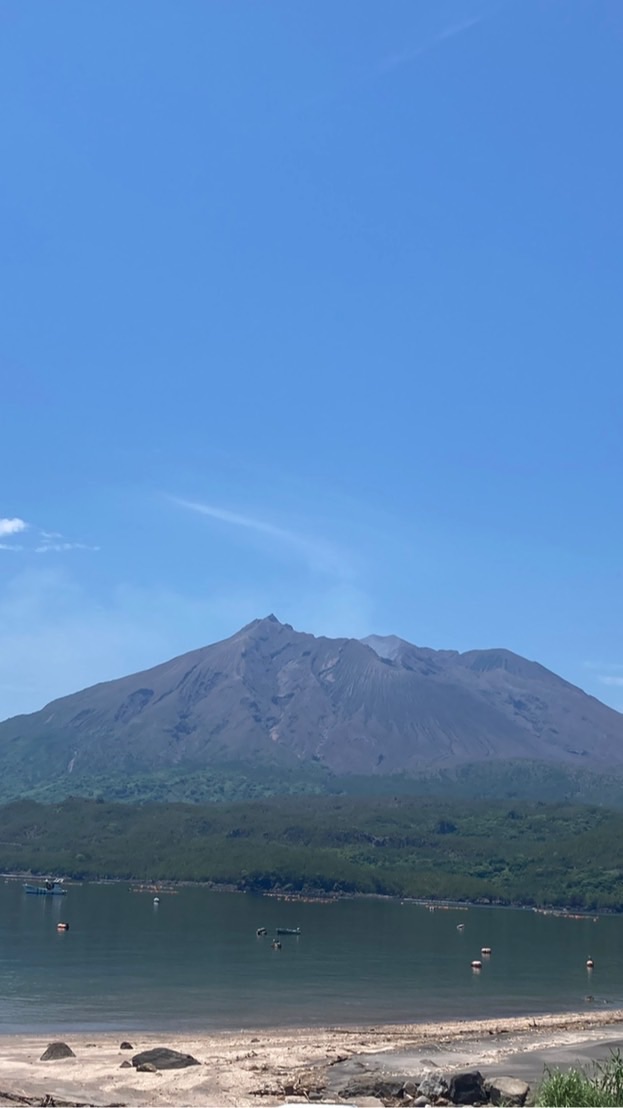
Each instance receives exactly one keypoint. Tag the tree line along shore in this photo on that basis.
(556, 855)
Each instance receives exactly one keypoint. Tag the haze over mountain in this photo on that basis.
(271, 697)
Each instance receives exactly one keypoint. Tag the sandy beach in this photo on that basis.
(279, 1066)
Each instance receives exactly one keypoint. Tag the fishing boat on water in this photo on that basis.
(50, 888)
(288, 930)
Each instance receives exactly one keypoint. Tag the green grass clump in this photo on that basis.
(577, 1088)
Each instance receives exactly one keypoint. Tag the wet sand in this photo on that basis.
(265, 1067)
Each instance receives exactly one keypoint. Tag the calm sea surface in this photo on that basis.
(194, 962)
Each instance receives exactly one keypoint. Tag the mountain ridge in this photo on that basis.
(272, 697)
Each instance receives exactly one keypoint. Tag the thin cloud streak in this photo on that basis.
(238, 520)
(319, 555)
(605, 667)
(59, 547)
(406, 56)
(396, 61)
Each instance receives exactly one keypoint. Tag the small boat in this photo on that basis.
(51, 888)
(288, 930)
(261, 931)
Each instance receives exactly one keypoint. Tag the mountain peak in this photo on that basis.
(272, 696)
(265, 624)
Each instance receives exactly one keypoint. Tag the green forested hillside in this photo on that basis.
(520, 853)
(242, 781)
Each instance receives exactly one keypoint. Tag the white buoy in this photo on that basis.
(156, 900)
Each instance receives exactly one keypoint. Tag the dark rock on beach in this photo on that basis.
(125, 1065)
(467, 1087)
(507, 1090)
(125, 1045)
(55, 1051)
(163, 1058)
(373, 1085)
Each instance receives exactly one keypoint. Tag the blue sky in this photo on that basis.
(312, 308)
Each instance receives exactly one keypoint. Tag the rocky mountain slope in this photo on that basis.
(270, 696)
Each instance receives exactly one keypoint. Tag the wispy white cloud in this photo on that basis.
(48, 547)
(12, 526)
(239, 520)
(604, 667)
(611, 679)
(401, 58)
(404, 57)
(319, 554)
(41, 541)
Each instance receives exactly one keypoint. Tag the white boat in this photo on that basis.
(51, 888)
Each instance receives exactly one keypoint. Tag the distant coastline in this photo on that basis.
(171, 886)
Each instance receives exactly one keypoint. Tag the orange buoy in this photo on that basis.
(62, 927)
(589, 963)
(485, 950)
(476, 964)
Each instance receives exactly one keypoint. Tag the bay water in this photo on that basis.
(195, 962)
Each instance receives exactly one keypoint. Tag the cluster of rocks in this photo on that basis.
(148, 1061)
(467, 1087)
(464, 1087)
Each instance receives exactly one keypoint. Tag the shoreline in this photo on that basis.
(259, 1066)
(171, 885)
